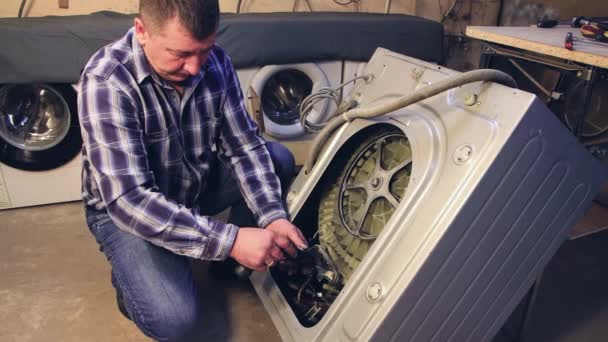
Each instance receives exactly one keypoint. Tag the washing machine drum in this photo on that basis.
(38, 126)
(281, 89)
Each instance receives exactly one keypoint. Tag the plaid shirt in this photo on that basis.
(147, 150)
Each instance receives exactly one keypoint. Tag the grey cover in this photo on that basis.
(55, 48)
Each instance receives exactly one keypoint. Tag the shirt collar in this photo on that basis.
(142, 67)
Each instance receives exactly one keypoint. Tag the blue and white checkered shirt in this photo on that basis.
(147, 150)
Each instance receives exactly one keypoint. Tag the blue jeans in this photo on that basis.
(157, 286)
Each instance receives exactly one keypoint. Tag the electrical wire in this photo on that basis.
(306, 282)
(445, 15)
(20, 14)
(324, 94)
(295, 5)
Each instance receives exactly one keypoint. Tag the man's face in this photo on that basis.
(174, 53)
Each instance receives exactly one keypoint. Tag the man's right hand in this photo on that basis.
(254, 248)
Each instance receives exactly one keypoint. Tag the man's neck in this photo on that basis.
(178, 87)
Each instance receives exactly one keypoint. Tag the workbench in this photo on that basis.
(588, 59)
(545, 41)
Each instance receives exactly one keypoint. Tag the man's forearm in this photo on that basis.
(149, 215)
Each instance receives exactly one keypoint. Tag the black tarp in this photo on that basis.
(55, 49)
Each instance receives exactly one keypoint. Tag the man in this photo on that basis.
(165, 135)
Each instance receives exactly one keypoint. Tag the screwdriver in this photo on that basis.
(569, 41)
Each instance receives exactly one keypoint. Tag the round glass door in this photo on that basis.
(282, 95)
(38, 126)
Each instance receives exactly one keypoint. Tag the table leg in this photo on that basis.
(486, 56)
(582, 109)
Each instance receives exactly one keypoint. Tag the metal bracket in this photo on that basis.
(532, 57)
(585, 74)
(488, 50)
(551, 94)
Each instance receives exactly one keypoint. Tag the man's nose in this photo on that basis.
(193, 65)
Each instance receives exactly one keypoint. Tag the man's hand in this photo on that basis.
(254, 248)
(287, 236)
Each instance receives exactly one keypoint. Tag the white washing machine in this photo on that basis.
(40, 145)
(429, 223)
(273, 94)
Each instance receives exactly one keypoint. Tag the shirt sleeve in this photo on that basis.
(114, 144)
(246, 150)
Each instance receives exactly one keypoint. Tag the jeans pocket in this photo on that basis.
(101, 225)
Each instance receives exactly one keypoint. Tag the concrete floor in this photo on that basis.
(55, 286)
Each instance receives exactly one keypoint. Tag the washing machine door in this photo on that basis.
(281, 89)
(38, 126)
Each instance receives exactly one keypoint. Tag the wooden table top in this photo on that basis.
(547, 41)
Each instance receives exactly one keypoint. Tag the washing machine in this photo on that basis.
(429, 223)
(40, 145)
(273, 94)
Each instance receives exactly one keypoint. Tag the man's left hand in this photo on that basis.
(287, 236)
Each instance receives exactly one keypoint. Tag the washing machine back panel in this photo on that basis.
(496, 184)
(477, 269)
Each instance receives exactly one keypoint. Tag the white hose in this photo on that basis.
(417, 96)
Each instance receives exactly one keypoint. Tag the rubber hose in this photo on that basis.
(419, 95)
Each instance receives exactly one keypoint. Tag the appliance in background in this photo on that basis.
(420, 230)
(40, 145)
(273, 94)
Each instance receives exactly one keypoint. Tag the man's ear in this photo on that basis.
(140, 31)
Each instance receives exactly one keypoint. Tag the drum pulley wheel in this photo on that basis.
(358, 202)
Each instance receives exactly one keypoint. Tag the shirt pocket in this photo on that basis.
(164, 148)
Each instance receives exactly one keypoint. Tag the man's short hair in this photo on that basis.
(200, 17)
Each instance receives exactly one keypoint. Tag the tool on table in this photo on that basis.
(589, 41)
(576, 22)
(569, 41)
(547, 23)
(595, 30)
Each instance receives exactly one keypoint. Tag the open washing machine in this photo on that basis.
(273, 94)
(429, 223)
(352, 70)
(40, 143)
